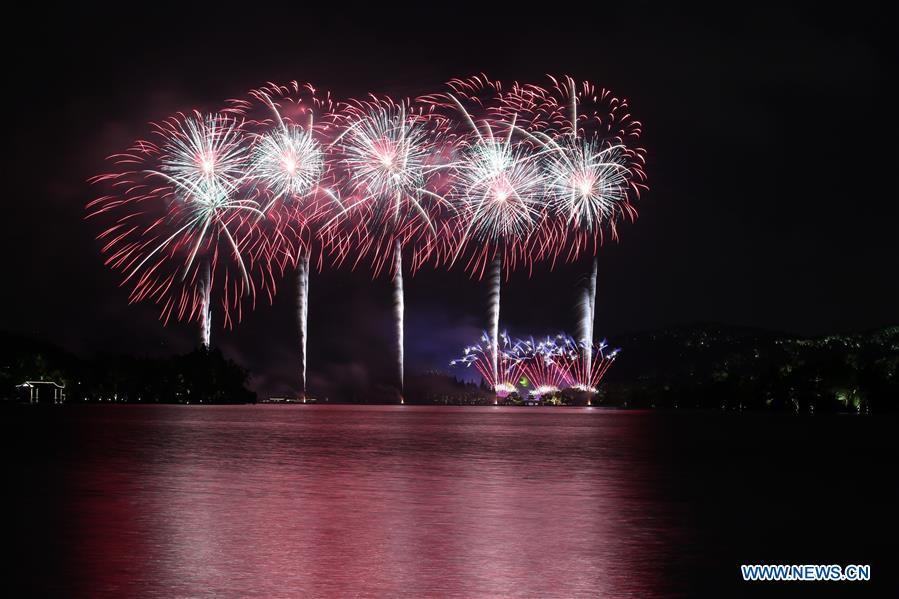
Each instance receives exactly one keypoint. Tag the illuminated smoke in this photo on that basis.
(493, 298)
(399, 309)
(303, 312)
(206, 315)
(588, 319)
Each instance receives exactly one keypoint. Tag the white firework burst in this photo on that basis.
(386, 154)
(288, 161)
(201, 150)
(501, 188)
(204, 159)
(586, 185)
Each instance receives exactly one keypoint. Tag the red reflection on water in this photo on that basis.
(388, 501)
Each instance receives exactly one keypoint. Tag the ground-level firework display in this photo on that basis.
(538, 367)
(214, 207)
(498, 365)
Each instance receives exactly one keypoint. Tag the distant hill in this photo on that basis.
(713, 365)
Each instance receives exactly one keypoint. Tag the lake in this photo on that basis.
(405, 501)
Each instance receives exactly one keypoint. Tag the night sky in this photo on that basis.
(770, 133)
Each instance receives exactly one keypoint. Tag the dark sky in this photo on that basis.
(772, 162)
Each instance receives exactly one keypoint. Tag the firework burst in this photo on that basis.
(588, 186)
(543, 364)
(178, 227)
(289, 161)
(202, 151)
(480, 357)
(594, 169)
(498, 183)
(203, 160)
(289, 172)
(500, 188)
(585, 374)
(392, 162)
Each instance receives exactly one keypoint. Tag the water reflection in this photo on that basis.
(387, 501)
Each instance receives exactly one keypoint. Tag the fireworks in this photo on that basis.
(202, 152)
(392, 162)
(587, 186)
(498, 185)
(544, 365)
(214, 206)
(288, 161)
(500, 191)
(290, 175)
(539, 367)
(178, 225)
(385, 154)
(593, 167)
(389, 158)
(587, 373)
(480, 356)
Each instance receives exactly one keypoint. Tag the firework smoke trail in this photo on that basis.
(399, 308)
(593, 277)
(494, 299)
(303, 312)
(206, 315)
(588, 318)
(592, 298)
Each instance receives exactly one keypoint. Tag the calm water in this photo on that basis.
(271, 501)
